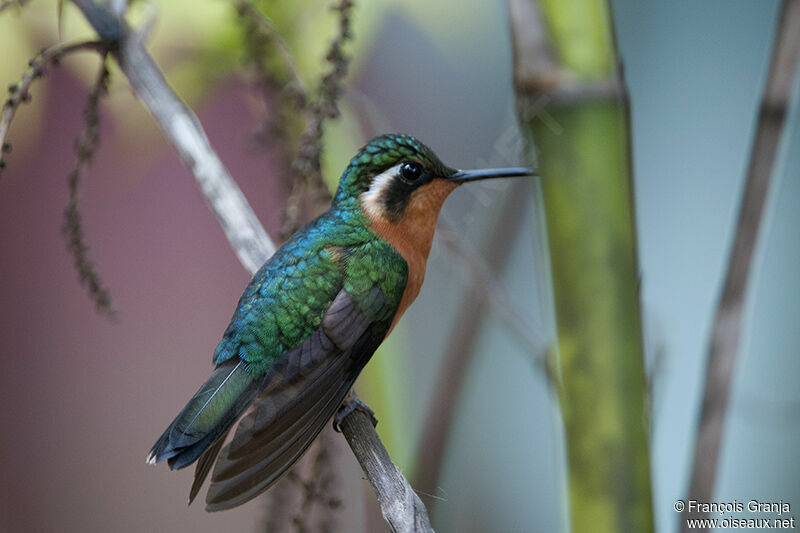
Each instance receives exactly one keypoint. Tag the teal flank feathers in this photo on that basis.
(309, 321)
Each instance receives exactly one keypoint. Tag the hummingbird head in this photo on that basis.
(396, 177)
(399, 185)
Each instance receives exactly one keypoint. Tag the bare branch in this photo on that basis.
(727, 322)
(19, 93)
(401, 508)
(400, 505)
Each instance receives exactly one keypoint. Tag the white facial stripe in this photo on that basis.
(371, 199)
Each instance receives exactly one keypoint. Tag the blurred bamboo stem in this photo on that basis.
(571, 100)
(247, 237)
(727, 327)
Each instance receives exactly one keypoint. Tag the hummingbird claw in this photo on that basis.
(348, 407)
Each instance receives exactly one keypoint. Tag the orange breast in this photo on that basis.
(412, 235)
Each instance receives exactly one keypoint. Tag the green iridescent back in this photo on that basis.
(285, 301)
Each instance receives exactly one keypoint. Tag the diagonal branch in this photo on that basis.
(250, 242)
(180, 125)
(400, 505)
(728, 320)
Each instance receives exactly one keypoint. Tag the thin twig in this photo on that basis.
(282, 91)
(308, 182)
(19, 93)
(330, 89)
(284, 100)
(308, 191)
(727, 327)
(246, 235)
(277, 502)
(85, 146)
(318, 489)
(267, 29)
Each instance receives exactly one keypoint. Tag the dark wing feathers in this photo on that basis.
(304, 387)
(282, 393)
(237, 481)
(344, 322)
(204, 465)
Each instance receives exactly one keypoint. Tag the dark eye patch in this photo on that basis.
(397, 194)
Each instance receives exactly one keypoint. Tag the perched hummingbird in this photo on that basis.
(311, 318)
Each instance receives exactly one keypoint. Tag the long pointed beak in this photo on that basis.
(489, 173)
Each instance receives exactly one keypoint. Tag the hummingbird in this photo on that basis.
(311, 318)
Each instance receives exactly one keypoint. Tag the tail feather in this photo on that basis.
(207, 417)
(204, 465)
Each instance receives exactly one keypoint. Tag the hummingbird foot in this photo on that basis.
(348, 407)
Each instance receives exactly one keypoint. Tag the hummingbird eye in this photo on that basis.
(411, 171)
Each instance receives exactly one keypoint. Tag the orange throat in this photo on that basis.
(412, 235)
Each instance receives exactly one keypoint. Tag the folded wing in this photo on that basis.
(303, 390)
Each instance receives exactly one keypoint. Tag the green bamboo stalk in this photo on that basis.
(575, 108)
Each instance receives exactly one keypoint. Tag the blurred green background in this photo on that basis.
(84, 399)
